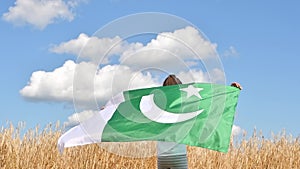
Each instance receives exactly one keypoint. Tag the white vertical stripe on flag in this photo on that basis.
(90, 131)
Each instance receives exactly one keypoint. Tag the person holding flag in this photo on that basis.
(175, 114)
(171, 154)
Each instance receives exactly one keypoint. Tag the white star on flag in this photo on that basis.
(192, 91)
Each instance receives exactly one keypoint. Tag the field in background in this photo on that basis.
(39, 150)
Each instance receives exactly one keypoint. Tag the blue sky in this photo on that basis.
(257, 41)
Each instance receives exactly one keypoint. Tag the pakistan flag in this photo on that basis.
(195, 114)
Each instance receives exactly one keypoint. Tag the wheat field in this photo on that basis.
(38, 150)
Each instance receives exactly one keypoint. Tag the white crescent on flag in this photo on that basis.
(154, 113)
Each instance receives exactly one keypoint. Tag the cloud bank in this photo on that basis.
(58, 85)
(171, 51)
(96, 76)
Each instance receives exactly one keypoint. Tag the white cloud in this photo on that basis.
(76, 118)
(93, 48)
(71, 47)
(56, 85)
(193, 76)
(90, 82)
(215, 76)
(231, 52)
(236, 130)
(40, 13)
(171, 50)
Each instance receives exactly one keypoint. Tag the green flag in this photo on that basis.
(194, 114)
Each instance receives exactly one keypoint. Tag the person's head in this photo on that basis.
(171, 80)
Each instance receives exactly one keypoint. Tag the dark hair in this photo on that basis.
(171, 80)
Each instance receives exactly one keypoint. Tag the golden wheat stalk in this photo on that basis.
(39, 150)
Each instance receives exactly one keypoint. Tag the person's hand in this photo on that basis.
(237, 85)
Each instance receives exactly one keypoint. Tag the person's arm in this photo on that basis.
(237, 85)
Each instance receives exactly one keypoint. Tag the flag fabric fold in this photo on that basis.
(196, 114)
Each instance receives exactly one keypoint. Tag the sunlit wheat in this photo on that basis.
(39, 150)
